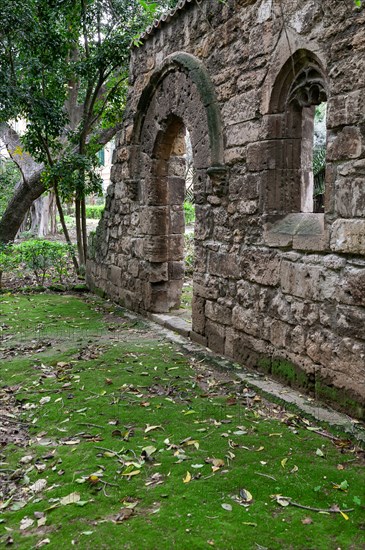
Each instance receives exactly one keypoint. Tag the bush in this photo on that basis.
(44, 258)
(9, 260)
(94, 211)
(189, 211)
(40, 256)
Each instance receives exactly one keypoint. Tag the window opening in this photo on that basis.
(319, 157)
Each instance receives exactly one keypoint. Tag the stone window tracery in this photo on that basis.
(298, 89)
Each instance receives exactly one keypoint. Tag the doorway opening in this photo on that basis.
(173, 182)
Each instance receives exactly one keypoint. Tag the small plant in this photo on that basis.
(42, 257)
(189, 211)
(9, 259)
(94, 211)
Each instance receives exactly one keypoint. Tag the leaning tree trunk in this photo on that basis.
(29, 189)
(18, 207)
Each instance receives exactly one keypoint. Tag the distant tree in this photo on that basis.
(64, 69)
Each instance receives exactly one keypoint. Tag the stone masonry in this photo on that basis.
(276, 286)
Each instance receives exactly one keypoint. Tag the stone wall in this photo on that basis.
(276, 286)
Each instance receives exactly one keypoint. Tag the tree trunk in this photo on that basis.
(84, 229)
(40, 216)
(52, 213)
(65, 230)
(80, 247)
(19, 205)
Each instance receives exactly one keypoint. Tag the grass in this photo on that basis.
(118, 390)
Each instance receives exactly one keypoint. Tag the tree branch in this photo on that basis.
(26, 164)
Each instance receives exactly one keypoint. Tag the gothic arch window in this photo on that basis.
(299, 88)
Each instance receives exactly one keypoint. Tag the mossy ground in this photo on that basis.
(109, 380)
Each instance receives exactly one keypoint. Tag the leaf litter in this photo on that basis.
(146, 456)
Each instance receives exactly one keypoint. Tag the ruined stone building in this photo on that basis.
(277, 285)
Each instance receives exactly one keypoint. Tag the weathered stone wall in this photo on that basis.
(275, 285)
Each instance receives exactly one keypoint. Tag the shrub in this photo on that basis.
(9, 259)
(42, 257)
(94, 211)
(189, 211)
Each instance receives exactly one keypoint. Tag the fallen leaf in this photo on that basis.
(250, 523)
(245, 496)
(26, 459)
(72, 498)
(41, 521)
(319, 453)
(227, 507)
(283, 462)
(150, 428)
(187, 478)
(124, 514)
(294, 469)
(25, 523)
(42, 542)
(307, 521)
(130, 472)
(44, 400)
(345, 516)
(149, 450)
(38, 486)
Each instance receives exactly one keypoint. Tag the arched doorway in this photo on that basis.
(178, 101)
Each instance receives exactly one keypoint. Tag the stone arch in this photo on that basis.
(200, 77)
(300, 85)
(178, 97)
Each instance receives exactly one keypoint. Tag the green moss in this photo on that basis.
(294, 376)
(105, 390)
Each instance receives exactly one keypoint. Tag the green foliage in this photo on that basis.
(64, 69)
(9, 176)
(189, 253)
(189, 211)
(46, 259)
(9, 260)
(94, 211)
(40, 256)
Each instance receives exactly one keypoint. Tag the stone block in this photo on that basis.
(247, 320)
(215, 334)
(243, 133)
(351, 288)
(346, 144)
(154, 220)
(198, 313)
(218, 313)
(176, 190)
(177, 220)
(241, 108)
(115, 275)
(351, 322)
(155, 249)
(155, 191)
(279, 333)
(301, 280)
(176, 270)
(260, 265)
(157, 272)
(346, 109)
(274, 153)
(349, 197)
(222, 264)
(348, 236)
